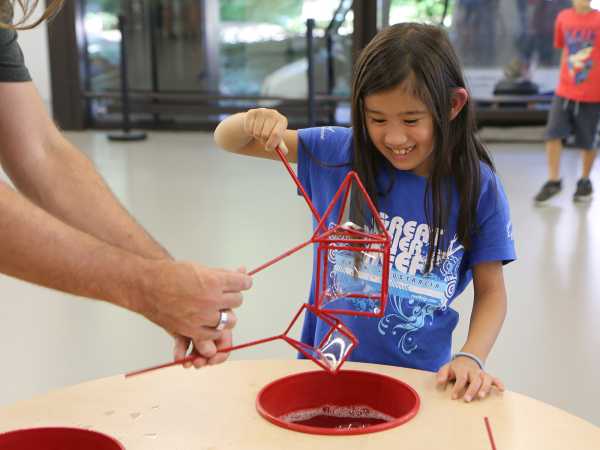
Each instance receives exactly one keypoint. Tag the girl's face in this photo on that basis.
(401, 127)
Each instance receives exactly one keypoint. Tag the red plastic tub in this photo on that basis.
(351, 402)
(57, 438)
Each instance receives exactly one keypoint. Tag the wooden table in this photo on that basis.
(213, 408)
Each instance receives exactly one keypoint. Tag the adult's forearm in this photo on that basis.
(37, 247)
(66, 184)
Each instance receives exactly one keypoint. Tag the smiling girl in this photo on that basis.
(414, 146)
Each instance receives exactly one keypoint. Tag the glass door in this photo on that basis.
(216, 52)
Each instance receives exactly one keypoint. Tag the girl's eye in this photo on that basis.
(373, 119)
(411, 122)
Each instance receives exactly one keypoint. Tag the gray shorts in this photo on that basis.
(576, 123)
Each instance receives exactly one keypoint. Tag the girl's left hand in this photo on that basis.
(467, 377)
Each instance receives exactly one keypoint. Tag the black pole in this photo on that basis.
(330, 75)
(445, 13)
(154, 29)
(310, 71)
(126, 134)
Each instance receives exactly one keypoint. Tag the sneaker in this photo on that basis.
(549, 190)
(584, 190)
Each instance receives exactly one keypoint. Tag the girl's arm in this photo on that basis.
(256, 133)
(489, 310)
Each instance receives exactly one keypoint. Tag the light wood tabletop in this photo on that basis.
(214, 408)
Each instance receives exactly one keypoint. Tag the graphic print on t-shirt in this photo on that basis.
(414, 295)
(580, 45)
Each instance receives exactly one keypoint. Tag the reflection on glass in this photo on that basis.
(263, 46)
(103, 39)
(495, 39)
(227, 47)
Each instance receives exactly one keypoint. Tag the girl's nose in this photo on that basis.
(395, 139)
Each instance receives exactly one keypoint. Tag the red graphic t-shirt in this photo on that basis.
(579, 37)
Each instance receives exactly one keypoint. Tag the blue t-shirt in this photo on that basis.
(416, 328)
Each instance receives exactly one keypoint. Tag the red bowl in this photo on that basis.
(313, 391)
(57, 438)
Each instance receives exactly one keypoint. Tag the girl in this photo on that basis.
(414, 147)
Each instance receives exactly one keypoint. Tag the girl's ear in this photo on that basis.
(459, 99)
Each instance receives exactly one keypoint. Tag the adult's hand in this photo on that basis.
(205, 352)
(186, 299)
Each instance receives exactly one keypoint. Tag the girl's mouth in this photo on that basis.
(403, 151)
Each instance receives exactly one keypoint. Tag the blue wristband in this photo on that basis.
(471, 356)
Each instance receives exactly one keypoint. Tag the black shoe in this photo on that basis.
(584, 190)
(549, 190)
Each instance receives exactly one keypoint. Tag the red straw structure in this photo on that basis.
(297, 181)
(279, 258)
(190, 358)
(308, 202)
(326, 241)
(334, 324)
(489, 432)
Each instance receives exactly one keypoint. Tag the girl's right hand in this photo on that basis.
(266, 126)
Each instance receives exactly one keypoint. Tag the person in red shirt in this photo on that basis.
(575, 112)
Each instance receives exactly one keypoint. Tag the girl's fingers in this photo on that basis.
(268, 127)
(442, 376)
(259, 124)
(275, 138)
(249, 122)
(497, 382)
(283, 147)
(459, 385)
(474, 386)
(486, 385)
(272, 136)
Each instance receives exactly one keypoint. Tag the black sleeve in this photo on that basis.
(12, 64)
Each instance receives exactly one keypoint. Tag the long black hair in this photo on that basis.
(422, 57)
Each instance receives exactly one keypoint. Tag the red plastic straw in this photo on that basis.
(489, 432)
(280, 257)
(190, 358)
(308, 202)
(298, 184)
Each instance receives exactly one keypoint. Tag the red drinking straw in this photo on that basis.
(489, 432)
(297, 181)
(335, 325)
(308, 202)
(190, 358)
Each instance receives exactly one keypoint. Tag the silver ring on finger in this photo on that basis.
(223, 319)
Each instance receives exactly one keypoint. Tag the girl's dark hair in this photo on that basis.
(26, 9)
(421, 57)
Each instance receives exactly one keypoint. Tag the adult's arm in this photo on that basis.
(181, 297)
(57, 177)
(73, 235)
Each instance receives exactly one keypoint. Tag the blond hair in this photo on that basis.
(27, 8)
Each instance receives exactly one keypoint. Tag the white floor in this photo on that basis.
(222, 210)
